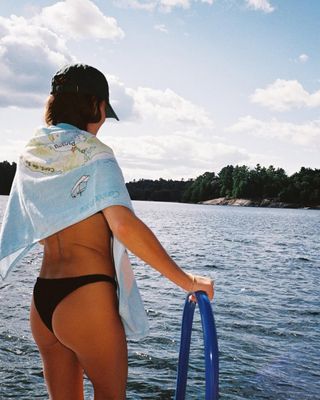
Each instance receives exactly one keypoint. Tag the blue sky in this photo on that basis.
(198, 84)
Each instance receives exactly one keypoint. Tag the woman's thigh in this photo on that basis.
(87, 321)
(62, 370)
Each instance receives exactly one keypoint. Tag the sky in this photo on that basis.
(197, 84)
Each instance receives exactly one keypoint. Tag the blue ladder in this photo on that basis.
(210, 347)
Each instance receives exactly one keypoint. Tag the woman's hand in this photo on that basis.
(202, 283)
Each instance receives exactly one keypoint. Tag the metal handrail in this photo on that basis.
(210, 347)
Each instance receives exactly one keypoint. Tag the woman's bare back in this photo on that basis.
(80, 249)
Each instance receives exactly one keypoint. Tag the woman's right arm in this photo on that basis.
(141, 241)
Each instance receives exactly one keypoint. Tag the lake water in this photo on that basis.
(266, 264)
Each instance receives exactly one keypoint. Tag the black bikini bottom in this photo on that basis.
(48, 293)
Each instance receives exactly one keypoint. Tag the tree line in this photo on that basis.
(7, 172)
(301, 188)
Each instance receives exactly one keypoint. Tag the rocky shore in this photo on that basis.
(225, 201)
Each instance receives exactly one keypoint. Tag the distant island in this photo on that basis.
(233, 185)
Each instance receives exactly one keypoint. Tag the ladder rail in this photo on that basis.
(186, 330)
(210, 347)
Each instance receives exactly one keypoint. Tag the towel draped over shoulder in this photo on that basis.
(63, 176)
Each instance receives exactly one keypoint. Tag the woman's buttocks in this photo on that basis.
(80, 249)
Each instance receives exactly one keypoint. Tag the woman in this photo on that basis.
(70, 196)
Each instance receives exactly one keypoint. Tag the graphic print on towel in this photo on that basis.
(56, 156)
(80, 186)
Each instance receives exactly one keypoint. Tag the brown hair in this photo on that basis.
(77, 109)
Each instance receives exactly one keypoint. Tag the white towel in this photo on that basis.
(64, 176)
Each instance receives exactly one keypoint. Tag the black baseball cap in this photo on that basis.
(81, 78)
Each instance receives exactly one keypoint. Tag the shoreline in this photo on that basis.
(237, 202)
(266, 203)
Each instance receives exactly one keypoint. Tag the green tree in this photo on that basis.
(7, 172)
(226, 181)
(240, 181)
(204, 187)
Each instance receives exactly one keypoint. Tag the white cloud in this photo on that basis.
(29, 55)
(79, 19)
(172, 156)
(283, 95)
(10, 149)
(303, 58)
(168, 5)
(163, 106)
(169, 107)
(307, 134)
(161, 5)
(161, 28)
(122, 100)
(147, 5)
(261, 5)
(31, 50)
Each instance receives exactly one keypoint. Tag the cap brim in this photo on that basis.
(110, 113)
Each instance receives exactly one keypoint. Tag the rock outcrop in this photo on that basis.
(225, 201)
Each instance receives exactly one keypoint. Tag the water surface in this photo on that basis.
(266, 266)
